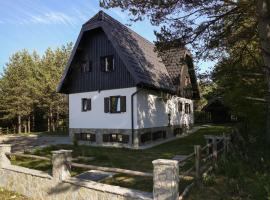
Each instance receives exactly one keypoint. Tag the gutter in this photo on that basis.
(132, 115)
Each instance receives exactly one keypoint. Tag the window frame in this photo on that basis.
(88, 104)
(86, 66)
(180, 106)
(187, 108)
(103, 60)
(110, 104)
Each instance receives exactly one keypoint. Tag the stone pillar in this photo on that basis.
(166, 179)
(4, 161)
(61, 164)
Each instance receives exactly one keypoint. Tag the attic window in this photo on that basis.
(107, 63)
(187, 80)
(86, 66)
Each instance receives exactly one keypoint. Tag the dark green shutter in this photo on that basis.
(106, 104)
(123, 103)
(89, 107)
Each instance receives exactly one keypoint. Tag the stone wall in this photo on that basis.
(39, 185)
(137, 135)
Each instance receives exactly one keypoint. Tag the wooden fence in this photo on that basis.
(204, 159)
(5, 131)
(200, 162)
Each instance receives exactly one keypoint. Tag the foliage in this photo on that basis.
(28, 89)
(239, 178)
(242, 86)
(213, 25)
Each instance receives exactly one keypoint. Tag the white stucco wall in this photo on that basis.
(96, 118)
(152, 111)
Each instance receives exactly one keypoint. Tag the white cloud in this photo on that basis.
(51, 18)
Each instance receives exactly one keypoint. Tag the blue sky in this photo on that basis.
(39, 24)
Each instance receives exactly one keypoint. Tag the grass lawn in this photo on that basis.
(6, 195)
(140, 160)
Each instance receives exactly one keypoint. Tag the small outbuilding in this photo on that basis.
(219, 112)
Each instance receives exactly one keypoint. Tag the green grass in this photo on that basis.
(7, 195)
(140, 160)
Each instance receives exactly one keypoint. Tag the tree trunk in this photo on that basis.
(25, 126)
(19, 124)
(33, 123)
(263, 12)
(29, 124)
(52, 125)
(57, 117)
(48, 124)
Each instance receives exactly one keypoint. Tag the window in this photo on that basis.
(86, 66)
(86, 137)
(158, 135)
(86, 104)
(187, 80)
(107, 63)
(177, 131)
(180, 106)
(187, 108)
(116, 137)
(115, 104)
(145, 137)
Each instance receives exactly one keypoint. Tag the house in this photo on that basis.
(218, 111)
(121, 93)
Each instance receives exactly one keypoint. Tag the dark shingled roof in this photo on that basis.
(137, 53)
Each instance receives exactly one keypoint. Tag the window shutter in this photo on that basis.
(102, 64)
(123, 104)
(89, 107)
(106, 104)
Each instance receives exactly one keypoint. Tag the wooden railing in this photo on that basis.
(110, 169)
(204, 159)
(84, 166)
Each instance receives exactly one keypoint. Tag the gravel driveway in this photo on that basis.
(22, 143)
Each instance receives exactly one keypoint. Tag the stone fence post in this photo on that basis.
(166, 179)
(4, 161)
(61, 164)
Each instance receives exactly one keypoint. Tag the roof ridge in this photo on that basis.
(104, 14)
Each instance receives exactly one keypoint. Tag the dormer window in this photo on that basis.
(107, 63)
(86, 66)
(187, 80)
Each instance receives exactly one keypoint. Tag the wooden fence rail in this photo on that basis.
(202, 156)
(28, 156)
(110, 169)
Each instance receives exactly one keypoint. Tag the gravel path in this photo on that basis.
(22, 143)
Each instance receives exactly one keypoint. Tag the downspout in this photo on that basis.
(132, 115)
